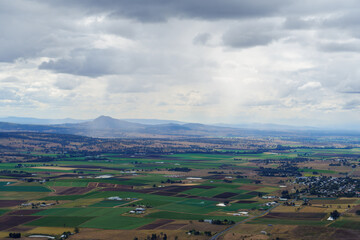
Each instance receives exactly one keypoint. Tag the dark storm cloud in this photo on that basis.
(111, 61)
(161, 10)
(251, 34)
(88, 62)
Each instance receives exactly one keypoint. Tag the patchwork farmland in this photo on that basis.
(185, 196)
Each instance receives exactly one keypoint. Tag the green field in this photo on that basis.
(59, 221)
(10, 188)
(108, 203)
(117, 222)
(188, 216)
(82, 212)
(346, 223)
(183, 200)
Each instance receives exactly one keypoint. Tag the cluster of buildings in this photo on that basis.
(330, 186)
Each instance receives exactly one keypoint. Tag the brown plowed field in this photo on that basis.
(297, 216)
(164, 193)
(12, 221)
(155, 224)
(245, 201)
(25, 212)
(226, 195)
(73, 190)
(254, 193)
(10, 203)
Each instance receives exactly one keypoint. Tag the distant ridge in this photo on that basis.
(108, 127)
(39, 121)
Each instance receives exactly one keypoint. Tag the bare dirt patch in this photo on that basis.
(72, 190)
(8, 221)
(226, 195)
(164, 193)
(155, 224)
(11, 203)
(173, 226)
(25, 212)
(354, 209)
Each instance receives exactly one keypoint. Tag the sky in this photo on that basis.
(210, 61)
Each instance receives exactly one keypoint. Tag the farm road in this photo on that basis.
(216, 236)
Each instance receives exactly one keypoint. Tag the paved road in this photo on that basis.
(216, 236)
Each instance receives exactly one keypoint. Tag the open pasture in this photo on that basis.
(109, 203)
(350, 223)
(58, 221)
(189, 216)
(82, 212)
(16, 188)
(117, 222)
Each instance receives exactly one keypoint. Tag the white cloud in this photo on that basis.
(220, 61)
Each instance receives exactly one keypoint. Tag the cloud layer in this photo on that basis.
(291, 62)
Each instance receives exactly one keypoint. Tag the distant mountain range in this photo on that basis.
(107, 127)
(39, 121)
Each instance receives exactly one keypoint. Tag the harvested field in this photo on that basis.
(346, 234)
(335, 201)
(109, 185)
(93, 184)
(25, 212)
(11, 203)
(226, 195)
(296, 216)
(249, 187)
(155, 224)
(173, 226)
(56, 168)
(74, 190)
(7, 221)
(354, 209)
